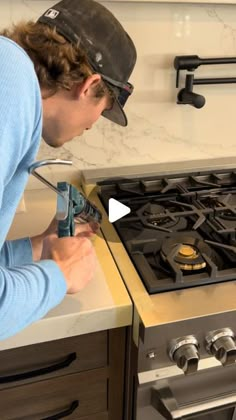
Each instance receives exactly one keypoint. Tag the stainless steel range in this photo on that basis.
(176, 251)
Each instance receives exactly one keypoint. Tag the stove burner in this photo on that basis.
(186, 252)
(164, 222)
(223, 209)
(211, 202)
(227, 215)
(153, 208)
(156, 216)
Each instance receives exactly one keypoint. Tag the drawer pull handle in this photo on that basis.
(64, 413)
(38, 372)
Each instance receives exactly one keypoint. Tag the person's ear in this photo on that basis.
(86, 89)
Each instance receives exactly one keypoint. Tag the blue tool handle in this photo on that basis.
(80, 208)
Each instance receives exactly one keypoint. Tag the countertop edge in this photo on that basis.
(92, 176)
(60, 327)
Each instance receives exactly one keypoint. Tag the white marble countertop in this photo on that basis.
(103, 304)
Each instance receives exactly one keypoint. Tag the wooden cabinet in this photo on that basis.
(76, 378)
(54, 358)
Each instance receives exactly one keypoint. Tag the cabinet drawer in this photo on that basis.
(47, 399)
(55, 358)
(97, 416)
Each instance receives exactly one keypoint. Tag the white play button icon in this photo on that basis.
(117, 210)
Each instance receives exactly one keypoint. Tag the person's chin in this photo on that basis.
(54, 142)
(50, 142)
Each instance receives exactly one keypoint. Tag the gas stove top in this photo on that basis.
(181, 231)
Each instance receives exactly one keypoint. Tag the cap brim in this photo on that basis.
(116, 114)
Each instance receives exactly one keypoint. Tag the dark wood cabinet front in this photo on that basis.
(54, 358)
(45, 399)
(79, 378)
(97, 416)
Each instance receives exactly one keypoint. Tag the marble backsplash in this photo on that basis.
(159, 130)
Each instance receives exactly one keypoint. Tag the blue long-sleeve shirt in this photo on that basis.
(27, 290)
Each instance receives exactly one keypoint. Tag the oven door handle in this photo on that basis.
(163, 400)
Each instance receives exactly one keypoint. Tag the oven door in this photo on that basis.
(206, 395)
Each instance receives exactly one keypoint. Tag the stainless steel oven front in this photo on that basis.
(188, 376)
(209, 394)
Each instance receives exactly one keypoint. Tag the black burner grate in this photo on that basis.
(194, 213)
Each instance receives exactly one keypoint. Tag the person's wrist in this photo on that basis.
(63, 266)
(37, 246)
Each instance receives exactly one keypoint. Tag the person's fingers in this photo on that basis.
(94, 226)
(82, 227)
(87, 229)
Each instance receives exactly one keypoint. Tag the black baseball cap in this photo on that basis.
(109, 49)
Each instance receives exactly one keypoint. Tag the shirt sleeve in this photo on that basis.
(27, 293)
(16, 252)
(27, 290)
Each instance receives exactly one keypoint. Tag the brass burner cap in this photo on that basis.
(187, 251)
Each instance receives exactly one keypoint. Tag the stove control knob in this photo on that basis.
(221, 344)
(184, 352)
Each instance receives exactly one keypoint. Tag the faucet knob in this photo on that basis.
(190, 98)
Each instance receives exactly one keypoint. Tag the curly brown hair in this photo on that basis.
(58, 63)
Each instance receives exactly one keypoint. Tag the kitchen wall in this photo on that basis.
(159, 130)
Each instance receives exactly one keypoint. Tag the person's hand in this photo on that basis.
(75, 256)
(81, 230)
(86, 229)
